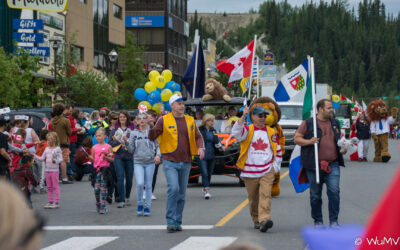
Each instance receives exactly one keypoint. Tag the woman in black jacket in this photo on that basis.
(211, 142)
(363, 134)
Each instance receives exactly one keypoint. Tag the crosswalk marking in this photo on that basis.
(125, 227)
(204, 243)
(81, 243)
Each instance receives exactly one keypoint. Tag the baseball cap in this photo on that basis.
(175, 98)
(259, 110)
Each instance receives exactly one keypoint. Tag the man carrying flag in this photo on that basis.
(330, 158)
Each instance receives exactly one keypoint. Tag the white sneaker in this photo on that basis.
(127, 202)
(153, 197)
(207, 196)
(121, 205)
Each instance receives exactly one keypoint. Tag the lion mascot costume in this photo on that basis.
(378, 115)
(272, 121)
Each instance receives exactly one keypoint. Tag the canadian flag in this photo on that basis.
(239, 65)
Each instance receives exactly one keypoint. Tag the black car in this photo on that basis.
(47, 110)
(39, 120)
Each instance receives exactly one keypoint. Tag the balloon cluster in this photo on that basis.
(156, 92)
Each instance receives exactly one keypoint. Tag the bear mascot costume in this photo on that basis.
(378, 115)
(272, 121)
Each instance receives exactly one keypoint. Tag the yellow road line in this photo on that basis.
(239, 208)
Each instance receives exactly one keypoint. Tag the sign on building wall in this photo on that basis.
(268, 74)
(43, 5)
(269, 58)
(51, 21)
(33, 24)
(23, 37)
(37, 51)
(144, 21)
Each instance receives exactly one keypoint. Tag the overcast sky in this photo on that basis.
(243, 6)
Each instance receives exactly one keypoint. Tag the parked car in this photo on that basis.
(47, 110)
(225, 162)
(39, 120)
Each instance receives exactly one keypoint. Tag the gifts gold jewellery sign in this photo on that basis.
(43, 5)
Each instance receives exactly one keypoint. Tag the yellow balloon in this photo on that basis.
(160, 82)
(335, 98)
(165, 95)
(157, 108)
(167, 74)
(150, 86)
(153, 74)
(177, 92)
(145, 103)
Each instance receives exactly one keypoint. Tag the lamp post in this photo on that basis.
(55, 44)
(113, 56)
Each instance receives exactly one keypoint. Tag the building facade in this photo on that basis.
(161, 27)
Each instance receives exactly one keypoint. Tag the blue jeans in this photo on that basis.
(71, 168)
(144, 178)
(332, 181)
(207, 168)
(177, 176)
(124, 171)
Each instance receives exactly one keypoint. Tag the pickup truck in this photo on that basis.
(291, 118)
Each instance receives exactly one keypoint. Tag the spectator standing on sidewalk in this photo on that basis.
(179, 139)
(260, 158)
(329, 157)
(62, 127)
(363, 134)
(123, 162)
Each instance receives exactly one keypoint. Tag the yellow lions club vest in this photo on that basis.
(168, 140)
(244, 145)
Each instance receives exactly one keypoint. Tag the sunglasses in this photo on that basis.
(262, 115)
(142, 118)
(114, 118)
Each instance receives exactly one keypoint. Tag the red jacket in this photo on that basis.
(22, 177)
(74, 136)
(16, 157)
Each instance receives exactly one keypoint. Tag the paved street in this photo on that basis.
(361, 187)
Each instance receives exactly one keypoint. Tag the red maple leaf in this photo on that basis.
(259, 145)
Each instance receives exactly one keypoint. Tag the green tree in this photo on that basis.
(91, 89)
(18, 86)
(133, 74)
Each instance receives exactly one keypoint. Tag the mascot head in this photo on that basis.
(274, 114)
(377, 110)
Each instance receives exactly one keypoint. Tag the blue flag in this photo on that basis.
(294, 170)
(188, 77)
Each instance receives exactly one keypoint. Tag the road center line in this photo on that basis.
(124, 227)
(239, 208)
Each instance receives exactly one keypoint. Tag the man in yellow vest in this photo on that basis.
(179, 139)
(260, 157)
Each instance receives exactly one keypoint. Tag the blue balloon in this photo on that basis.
(178, 87)
(167, 107)
(154, 96)
(140, 94)
(169, 86)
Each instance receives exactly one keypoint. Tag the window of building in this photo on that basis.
(117, 11)
(82, 1)
(77, 53)
(46, 36)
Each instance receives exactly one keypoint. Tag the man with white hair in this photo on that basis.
(179, 139)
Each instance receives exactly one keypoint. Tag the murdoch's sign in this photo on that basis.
(43, 5)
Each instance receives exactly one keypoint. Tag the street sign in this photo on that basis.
(269, 58)
(37, 51)
(53, 5)
(144, 21)
(35, 24)
(23, 37)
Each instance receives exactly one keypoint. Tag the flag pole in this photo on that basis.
(196, 42)
(314, 120)
(258, 76)
(252, 62)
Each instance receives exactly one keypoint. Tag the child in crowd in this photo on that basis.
(22, 176)
(101, 156)
(19, 142)
(39, 152)
(52, 156)
(146, 154)
(82, 159)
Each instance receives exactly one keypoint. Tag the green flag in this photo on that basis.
(308, 101)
